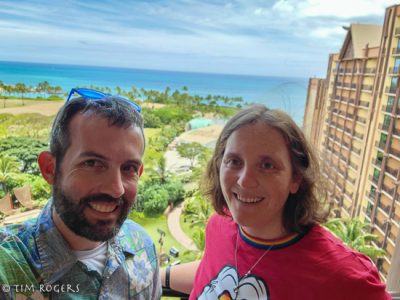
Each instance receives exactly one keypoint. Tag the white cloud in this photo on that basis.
(327, 32)
(338, 8)
(184, 34)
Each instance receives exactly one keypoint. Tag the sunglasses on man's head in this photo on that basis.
(94, 95)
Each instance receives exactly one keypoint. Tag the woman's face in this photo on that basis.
(256, 177)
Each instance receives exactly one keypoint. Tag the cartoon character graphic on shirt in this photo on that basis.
(228, 285)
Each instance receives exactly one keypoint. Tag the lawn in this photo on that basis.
(151, 225)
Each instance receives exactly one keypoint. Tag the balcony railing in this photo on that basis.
(384, 127)
(387, 108)
(391, 171)
(388, 189)
(356, 150)
(396, 51)
(396, 131)
(364, 103)
(366, 87)
(374, 179)
(380, 145)
(390, 90)
(369, 70)
(394, 152)
(394, 71)
(361, 119)
(397, 31)
(377, 162)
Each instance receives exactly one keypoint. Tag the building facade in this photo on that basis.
(353, 119)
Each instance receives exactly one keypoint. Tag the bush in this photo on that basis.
(175, 191)
(156, 201)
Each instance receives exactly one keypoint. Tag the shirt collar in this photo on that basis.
(55, 255)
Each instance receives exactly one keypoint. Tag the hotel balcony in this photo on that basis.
(376, 162)
(395, 153)
(366, 87)
(373, 179)
(384, 127)
(380, 145)
(396, 132)
(358, 136)
(364, 104)
(361, 119)
(388, 190)
(390, 90)
(388, 108)
(391, 171)
(371, 71)
(396, 51)
(395, 71)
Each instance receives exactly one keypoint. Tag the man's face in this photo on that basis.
(96, 184)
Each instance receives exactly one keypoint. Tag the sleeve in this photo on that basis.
(361, 281)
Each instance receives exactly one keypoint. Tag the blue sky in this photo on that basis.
(278, 38)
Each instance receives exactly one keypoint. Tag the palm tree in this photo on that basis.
(353, 232)
(197, 210)
(21, 88)
(2, 89)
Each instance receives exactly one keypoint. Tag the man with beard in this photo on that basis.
(81, 246)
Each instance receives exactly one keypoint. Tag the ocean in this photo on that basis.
(286, 93)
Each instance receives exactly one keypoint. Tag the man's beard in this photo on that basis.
(71, 213)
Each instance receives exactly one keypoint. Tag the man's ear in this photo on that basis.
(141, 168)
(47, 165)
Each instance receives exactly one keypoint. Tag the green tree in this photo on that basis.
(8, 166)
(353, 232)
(197, 210)
(190, 151)
(42, 88)
(25, 149)
(175, 190)
(21, 89)
(2, 90)
(155, 201)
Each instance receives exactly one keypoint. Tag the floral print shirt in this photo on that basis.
(36, 263)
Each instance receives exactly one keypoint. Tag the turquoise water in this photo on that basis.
(285, 93)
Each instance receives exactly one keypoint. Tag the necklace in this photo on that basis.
(236, 289)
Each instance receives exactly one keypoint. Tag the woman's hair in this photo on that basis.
(302, 209)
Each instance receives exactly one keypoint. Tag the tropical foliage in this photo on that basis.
(354, 233)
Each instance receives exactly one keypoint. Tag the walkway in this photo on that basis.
(176, 230)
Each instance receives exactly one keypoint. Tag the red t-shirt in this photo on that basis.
(314, 266)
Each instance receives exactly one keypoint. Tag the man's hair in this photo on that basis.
(302, 209)
(116, 111)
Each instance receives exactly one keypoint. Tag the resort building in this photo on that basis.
(353, 120)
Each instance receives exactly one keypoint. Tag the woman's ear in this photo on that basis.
(295, 184)
(47, 165)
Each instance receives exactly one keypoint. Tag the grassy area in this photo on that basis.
(151, 132)
(151, 225)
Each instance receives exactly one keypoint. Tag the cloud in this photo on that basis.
(241, 36)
